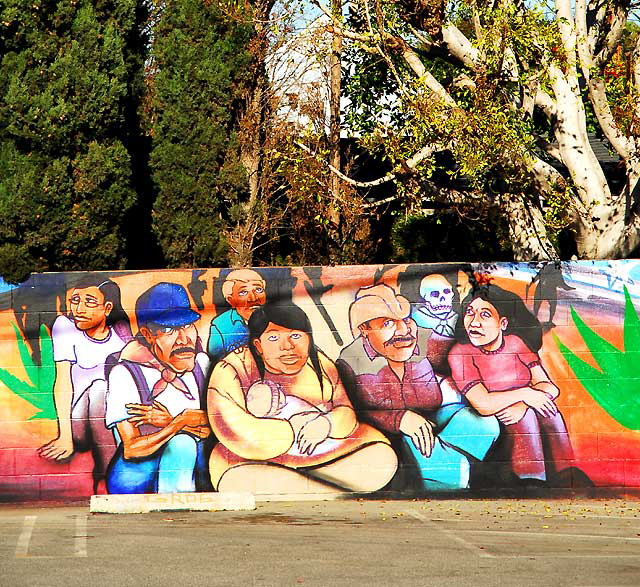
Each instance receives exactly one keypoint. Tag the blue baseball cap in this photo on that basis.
(165, 304)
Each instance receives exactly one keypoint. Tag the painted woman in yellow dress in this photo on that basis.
(319, 447)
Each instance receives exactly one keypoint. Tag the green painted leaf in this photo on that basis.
(25, 356)
(615, 385)
(39, 390)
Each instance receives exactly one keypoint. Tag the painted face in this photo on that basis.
(88, 309)
(175, 347)
(484, 325)
(392, 338)
(284, 351)
(246, 296)
(437, 294)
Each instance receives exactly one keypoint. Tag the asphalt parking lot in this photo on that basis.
(357, 542)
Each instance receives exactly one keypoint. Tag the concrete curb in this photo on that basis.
(162, 502)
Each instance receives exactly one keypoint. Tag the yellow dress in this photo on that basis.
(245, 438)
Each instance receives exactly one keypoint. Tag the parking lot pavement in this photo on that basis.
(356, 542)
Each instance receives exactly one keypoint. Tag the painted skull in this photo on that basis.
(437, 294)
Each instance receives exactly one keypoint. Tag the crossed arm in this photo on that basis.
(510, 406)
(138, 445)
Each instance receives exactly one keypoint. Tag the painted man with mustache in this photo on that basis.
(154, 399)
(389, 374)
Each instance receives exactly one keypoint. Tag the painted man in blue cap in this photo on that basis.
(154, 399)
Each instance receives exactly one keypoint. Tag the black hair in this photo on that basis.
(287, 316)
(520, 320)
(111, 292)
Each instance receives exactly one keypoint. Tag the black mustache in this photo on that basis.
(395, 339)
(183, 349)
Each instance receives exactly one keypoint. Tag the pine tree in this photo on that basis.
(199, 69)
(72, 75)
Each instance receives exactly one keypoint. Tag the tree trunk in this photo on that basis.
(252, 139)
(335, 75)
(527, 231)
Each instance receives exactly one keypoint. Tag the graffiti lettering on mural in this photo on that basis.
(614, 385)
(390, 379)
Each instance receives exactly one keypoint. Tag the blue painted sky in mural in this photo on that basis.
(6, 286)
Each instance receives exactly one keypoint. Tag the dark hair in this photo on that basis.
(509, 305)
(287, 316)
(117, 317)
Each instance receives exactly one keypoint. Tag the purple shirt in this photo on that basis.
(379, 396)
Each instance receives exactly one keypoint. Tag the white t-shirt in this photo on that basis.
(86, 355)
(122, 390)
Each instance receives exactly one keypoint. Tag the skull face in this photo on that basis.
(437, 294)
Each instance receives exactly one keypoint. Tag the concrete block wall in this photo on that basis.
(371, 380)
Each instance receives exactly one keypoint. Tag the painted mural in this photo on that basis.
(396, 379)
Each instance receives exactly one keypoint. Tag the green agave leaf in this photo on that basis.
(25, 356)
(46, 346)
(607, 356)
(631, 325)
(46, 378)
(19, 387)
(39, 392)
(614, 387)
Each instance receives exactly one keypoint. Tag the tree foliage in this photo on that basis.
(199, 70)
(508, 89)
(70, 87)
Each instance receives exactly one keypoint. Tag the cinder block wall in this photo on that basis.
(379, 380)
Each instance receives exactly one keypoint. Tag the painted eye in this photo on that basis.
(242, 293)
(387, 323)
(296, 336)
(435, 294)
(407, 320)
(166, 330)
(259, 289)
(272, 337)
(447, 291)
(468, 312)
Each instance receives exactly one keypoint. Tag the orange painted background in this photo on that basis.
(607, 452)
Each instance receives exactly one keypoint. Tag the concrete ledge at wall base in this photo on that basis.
(259, 497)
(162, 502)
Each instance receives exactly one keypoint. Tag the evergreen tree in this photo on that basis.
(72, 75)
(200, 67)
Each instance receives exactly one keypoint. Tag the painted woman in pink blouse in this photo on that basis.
(496, 366)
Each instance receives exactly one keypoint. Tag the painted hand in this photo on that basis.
(512, 414)
(199, 431)
(298, 421)
(420, 430)
(313, 433)
(541, 402)
(56, 450)
(155, 414)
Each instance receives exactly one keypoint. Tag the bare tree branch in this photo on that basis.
(409, 164)
(608, 124)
